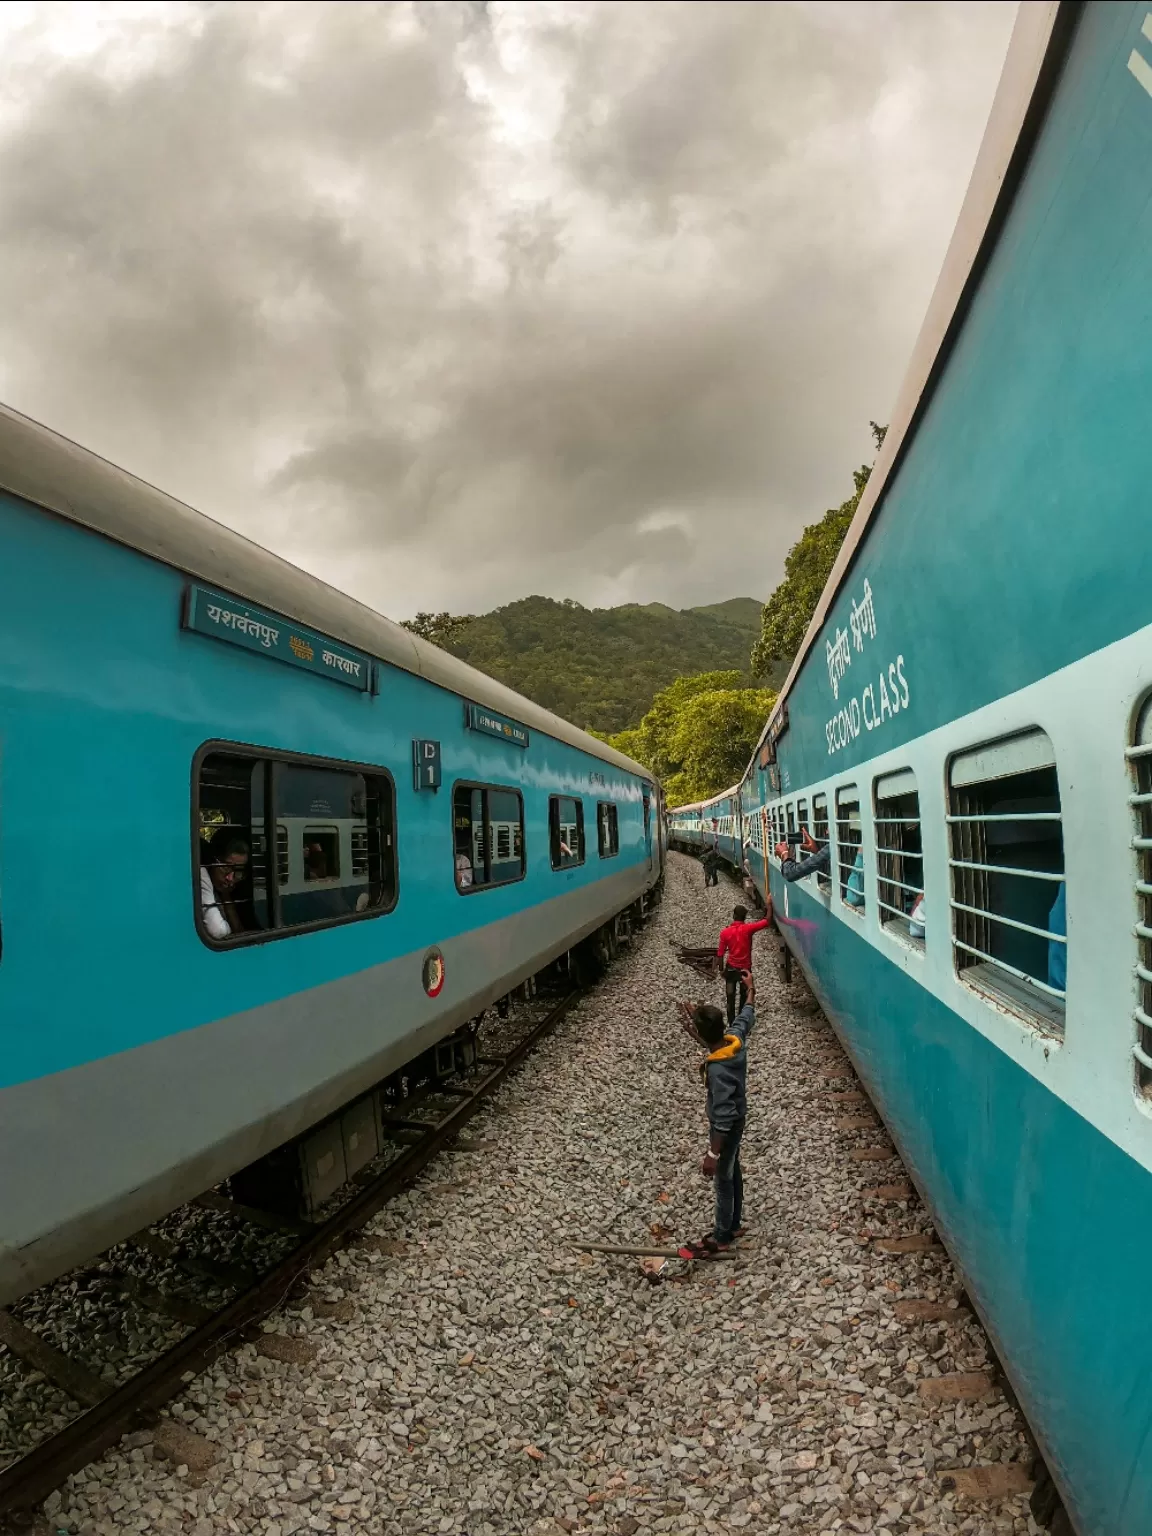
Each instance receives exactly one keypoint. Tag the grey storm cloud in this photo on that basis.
(451, 303)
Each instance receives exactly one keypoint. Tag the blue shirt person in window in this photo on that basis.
(854, 890)
(1058, 952)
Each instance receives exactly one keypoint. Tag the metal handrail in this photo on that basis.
(1010, 816)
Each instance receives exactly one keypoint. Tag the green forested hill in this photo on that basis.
(602, 667)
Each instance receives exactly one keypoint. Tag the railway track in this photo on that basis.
(104, 1411)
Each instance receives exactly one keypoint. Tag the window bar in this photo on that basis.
(1145, 750)
(1011, 969)
(917, 890)
(896, 912)
(1009, 922)
(1142, 1056)
(1007, 869)
(1022, 816)
(1144, 974)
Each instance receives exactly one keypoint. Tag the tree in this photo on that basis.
(788, 612)
(699, 734)
(438, 628)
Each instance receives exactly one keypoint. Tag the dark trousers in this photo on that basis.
(729, 1181)
(732, 981)
(710, 875)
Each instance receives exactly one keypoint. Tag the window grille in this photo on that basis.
(360, 852)
(1007, 861)
(820, 834)
(899, 859)
(849, 848)
(1140, 758)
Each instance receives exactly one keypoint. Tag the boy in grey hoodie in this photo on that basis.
(725, 1073)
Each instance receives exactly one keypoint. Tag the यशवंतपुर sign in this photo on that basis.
(267, 634)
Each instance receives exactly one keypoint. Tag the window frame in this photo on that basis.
(841, 878)
(274, 755)
(820, 803)
(966, 873)
(892, 922)
(485, 786)
(614, 820)
(578, 801)
(1138, 753)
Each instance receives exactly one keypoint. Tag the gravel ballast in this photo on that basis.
(464, 1372)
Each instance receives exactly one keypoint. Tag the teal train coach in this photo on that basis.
(261, 849)
(969, 720)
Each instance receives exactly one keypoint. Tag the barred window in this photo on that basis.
(899, 859)
(1009, 928)
(1140, 757)
(849, 848)
(820, 833)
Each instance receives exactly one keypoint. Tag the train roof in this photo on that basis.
(1039, 45)
(59, 476)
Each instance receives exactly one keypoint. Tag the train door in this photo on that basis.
(648, 831)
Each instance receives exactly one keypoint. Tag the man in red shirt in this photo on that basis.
(734, 953)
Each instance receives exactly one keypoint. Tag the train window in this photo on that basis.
(801, 815)
(487, 836)
(899, 864)
(820, 834)
(849, 848)
(1140, 756)
(321, 854)
(1009, 931)
(791, 814)
(334, 844)
(566, 831)
(607, 830)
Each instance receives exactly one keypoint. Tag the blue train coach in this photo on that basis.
(260, 847)
(968, 729)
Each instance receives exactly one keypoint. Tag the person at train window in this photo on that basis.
(854, 890)
(463, 871)
(725, 1074)
(734, 954)
(224, 863)
(1057, 952)
(916, 923)
(815, 862)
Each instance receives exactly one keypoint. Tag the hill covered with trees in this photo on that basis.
(601, 668)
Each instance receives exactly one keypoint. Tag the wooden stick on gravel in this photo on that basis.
(641, 1253)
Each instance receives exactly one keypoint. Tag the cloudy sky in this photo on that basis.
(451, 303)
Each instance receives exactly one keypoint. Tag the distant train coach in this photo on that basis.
(259, 848)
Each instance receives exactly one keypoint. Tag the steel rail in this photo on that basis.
(28, 1481)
